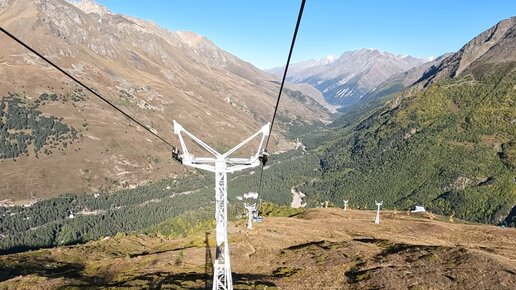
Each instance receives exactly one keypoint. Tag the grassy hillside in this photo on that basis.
(319, 249)
(450, 147)
(24, 127)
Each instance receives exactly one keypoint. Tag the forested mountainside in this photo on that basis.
(448, 144)
(449, 147)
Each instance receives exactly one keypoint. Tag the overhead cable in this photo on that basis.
(300, 15)
(92, 91)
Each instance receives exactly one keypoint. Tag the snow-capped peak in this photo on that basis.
(330, 58)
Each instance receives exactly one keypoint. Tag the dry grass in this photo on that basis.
(319, 249)
(170, 81)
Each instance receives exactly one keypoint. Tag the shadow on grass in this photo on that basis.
(41, 266)
(166, 280)
(208, 264)
(194, 280)
(45, 266)
(360, 273)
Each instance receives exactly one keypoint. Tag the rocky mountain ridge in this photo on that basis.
(495, 45)
(345, 80)
(152, 73)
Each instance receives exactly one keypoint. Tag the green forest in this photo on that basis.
(78, 218)
(25, 130)
(449, 147)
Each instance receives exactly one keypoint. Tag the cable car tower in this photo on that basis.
(251, 209)
(377, 220)
(221, 165)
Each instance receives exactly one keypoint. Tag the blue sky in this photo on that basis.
(260, 31)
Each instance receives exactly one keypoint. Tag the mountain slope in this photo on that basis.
(449, 146)
(398, 82)
(355, 73)
(495, 45)
(304, 69)
(154, 74)
(319, 249)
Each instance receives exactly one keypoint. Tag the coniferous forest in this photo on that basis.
(25, 130)
(78, 218)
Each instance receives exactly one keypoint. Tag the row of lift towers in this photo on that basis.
(221, 165)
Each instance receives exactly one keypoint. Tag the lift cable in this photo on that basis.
(93, 92)
(84, 86)
(286, 69)
(300, 15)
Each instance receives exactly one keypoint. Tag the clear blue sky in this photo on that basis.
(260, 31)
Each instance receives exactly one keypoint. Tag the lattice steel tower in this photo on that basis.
(221, 164)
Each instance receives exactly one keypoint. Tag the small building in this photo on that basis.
(417, 208)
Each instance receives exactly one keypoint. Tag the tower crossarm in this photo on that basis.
(178, 129)
(264, 131)
(208, 163)
(237, 164)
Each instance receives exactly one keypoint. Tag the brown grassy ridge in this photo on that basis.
(318, 249)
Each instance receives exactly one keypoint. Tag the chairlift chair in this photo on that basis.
(257, 217)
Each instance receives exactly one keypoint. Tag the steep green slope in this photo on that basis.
(450, 147)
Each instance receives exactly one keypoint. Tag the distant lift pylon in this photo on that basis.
(221, 164)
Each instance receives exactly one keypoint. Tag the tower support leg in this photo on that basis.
(222, 268)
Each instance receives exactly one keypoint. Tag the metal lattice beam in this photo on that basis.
(221, 165)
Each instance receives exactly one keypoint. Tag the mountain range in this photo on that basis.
(345, 80)
(153, 74)
(438, 134)
(446, 142)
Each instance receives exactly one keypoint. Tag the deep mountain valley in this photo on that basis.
(90, 200)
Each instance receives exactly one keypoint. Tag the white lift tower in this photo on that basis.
(377, 220)
(221, 164)
(251, 209)
(346, 204)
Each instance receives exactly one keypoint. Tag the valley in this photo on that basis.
(90, 198)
